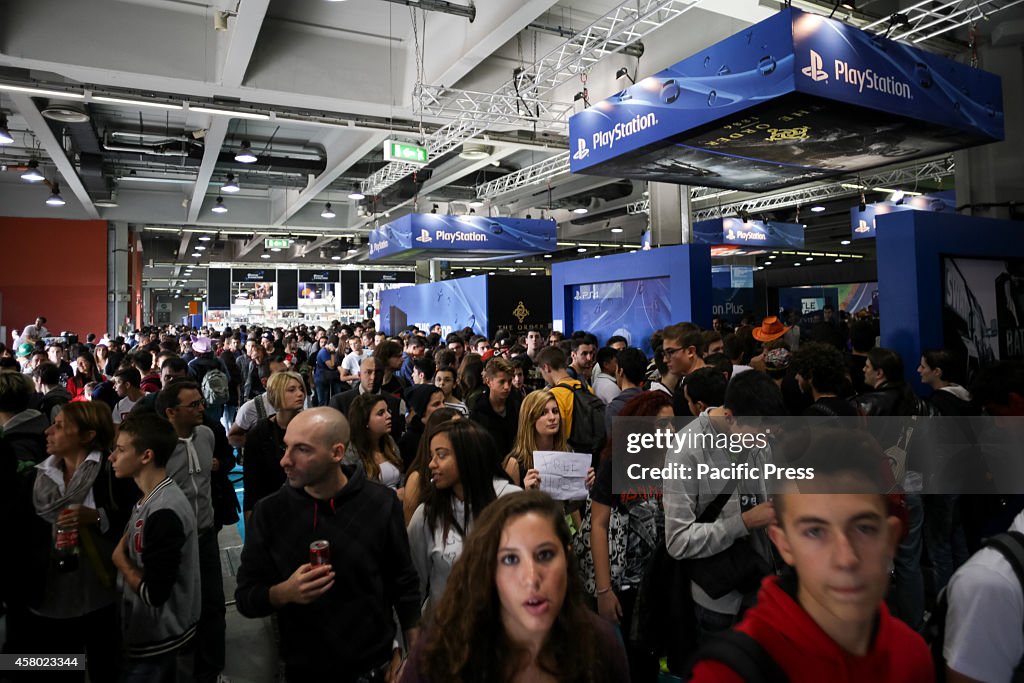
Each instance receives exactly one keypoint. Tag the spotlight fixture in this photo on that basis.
(327, 212)
(230, 186)
(845, 242)
(245, 155)
(817, 209)
(55, 199)
(336, 257)
(582, 95)
(616, 230)
(897, 197)
(5, 135)
(434, 210)
(581, 249)
(356, 196)
(200, 247)
(32, 173)
(580, 210)
(744, 216)
(219, 206)
(205, 238)
(623, 71)
(474, 151)
(476, 203)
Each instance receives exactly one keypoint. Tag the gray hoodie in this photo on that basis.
(25, 434)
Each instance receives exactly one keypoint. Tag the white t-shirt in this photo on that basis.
(985, 621)
(352, 361)
(123, 407)
(247, 415)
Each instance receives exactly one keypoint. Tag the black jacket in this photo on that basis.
(262, 472)
(350, 628)
(503, 429)
(885, 400)
(343, 402)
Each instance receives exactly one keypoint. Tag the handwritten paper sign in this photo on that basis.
(563, 476)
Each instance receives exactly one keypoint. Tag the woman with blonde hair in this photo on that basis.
(371, 443)
(264, 443)
(540, 429)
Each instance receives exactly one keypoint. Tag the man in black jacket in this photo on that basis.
(367, 375)
(335, 618)
(497, 409)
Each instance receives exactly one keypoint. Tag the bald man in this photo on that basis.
(335, 617)
(369, 375)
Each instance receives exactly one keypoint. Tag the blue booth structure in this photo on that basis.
(951, 281)
(634, 294)
(485, 303)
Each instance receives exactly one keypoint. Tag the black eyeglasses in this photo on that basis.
(670, 351)
(194, 404)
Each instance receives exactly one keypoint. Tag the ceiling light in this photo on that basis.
(219, 206)
(519, 260)
(533, 273)
(476, 203)
(205, 238)
(580, 210)
(581, 249)
(228, 112)
(474, 151)
(623, 71)
(55, 199)
(817, 209)
(32, 174)
(196, 254)
(275, 249)
(357, 195)
(845, 242)
(200, 247)
(336, 257)
(5, 135)
(42, 92)
(245, 155)
(135, 103)
(547, 255)
(797, 264)
(809, 258)
(897, 196)
(767, 263)
(839, 260)
(65, 112)
(327, 212)
(110, 203)
(264, 255)
(352, 250)
(230, 186)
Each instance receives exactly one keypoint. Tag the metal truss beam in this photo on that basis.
(525, 177)
(932, 18)
(890, 178)
(622, 26)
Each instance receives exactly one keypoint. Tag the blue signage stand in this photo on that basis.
(633, 295)
(916, 279)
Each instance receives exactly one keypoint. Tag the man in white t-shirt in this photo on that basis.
(350, 364)
(985, 620)
(128, 385)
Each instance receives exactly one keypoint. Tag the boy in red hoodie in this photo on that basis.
(825, 619)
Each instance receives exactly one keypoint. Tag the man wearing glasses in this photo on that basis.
(181, 403)
(683, 351)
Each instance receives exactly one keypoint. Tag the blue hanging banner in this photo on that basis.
(793, 99)
(419, 235)
(863, 222)
(751, 233)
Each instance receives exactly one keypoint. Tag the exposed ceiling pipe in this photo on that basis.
(155, 149)
(634, 50)
(443, 6)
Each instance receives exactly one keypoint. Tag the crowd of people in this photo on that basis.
(397, 528)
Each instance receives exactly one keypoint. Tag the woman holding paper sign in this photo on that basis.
(540, 429)
(465, 478)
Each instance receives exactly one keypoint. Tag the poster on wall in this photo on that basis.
(455, 304)
(243, 292)
(633, 309)
(982, 312)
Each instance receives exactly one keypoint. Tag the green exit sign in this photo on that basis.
(403, 151)
(271, 243)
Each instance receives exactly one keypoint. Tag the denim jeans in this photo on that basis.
(906, 599)
(944, 537)
(159, 669)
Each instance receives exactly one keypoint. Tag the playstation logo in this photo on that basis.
(424, 237)
(581, 152)
(730, 235)
(863, 227)
(816, 71)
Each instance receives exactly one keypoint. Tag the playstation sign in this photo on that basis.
(421, 235)
(793, 99)
(749, 233)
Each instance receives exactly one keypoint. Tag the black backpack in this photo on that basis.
(587, 434)
(1011, 546)
(741, 653)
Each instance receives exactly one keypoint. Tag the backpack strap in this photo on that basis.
(711, 512)
(743, 654)
(1011, 546)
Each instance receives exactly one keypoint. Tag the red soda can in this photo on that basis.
(319, 553)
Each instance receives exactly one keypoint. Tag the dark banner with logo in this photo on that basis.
(518, 304)
(386, 276)
(306, 275)
(253, 275)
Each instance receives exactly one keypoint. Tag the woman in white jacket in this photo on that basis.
(464, 478)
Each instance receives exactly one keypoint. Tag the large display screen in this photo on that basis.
(983, 312)
(634, 309)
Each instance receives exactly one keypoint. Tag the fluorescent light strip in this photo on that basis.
(137, 103)
(228, 112)
(148, 179)
(41, 91)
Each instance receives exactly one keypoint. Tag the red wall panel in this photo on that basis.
(56, 269)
